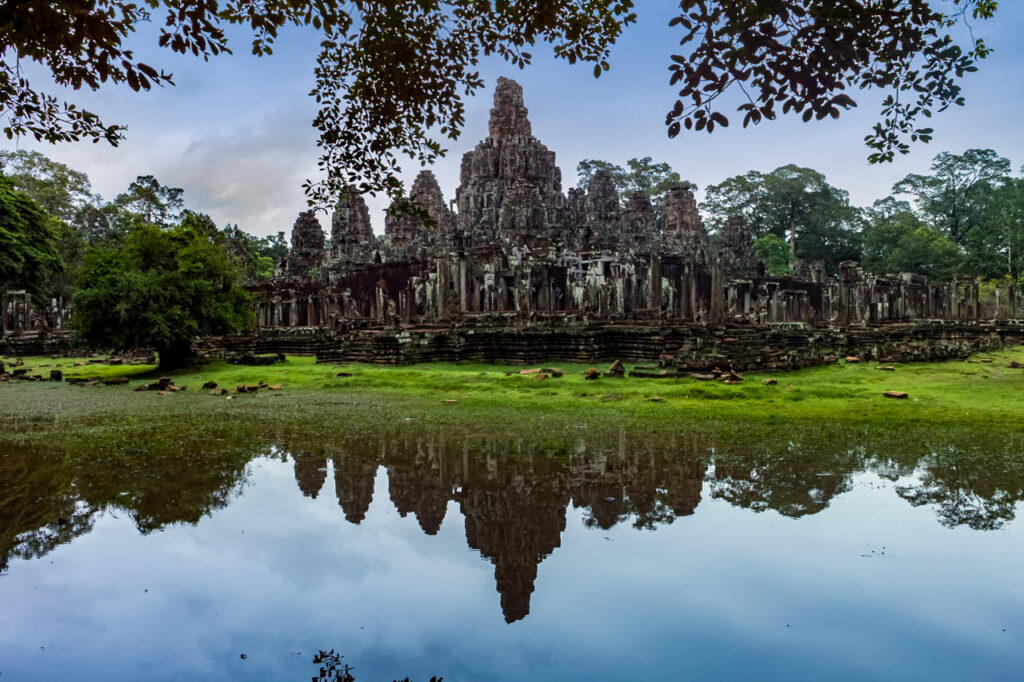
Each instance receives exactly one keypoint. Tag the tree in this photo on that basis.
(160, 287)
(952, 197)
(643, 175)
(793, 203)
(370, 54)
(58, 189)
(995, 244)
(802, 54)
(274, 246)
(897, 240)
(773, 251)
(28, 238)
(151, 202)
(249, 249)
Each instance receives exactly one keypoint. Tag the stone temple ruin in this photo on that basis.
(524, 270)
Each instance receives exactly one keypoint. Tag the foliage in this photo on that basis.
(274, 246)
(793, 203)
(995, 245)
(370, 53)
(152, 202)
(773, 251)
(798, 53)
(160, 287)
(641, 175)
(953, 196)
(28, 242)
(897, 240)
(58, 189)
(802, 56)
(250, 250)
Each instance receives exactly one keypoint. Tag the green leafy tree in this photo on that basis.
(161, 288)
(773, 251)
(793, 203)
(953, 196)
(65, 194)
(274, 247)
(28, 242)
(151, 202)
(897, 240)
(58, 189)
(586, 168)
(640, 175)
(995, 244)
(798, 55)
(249, 250)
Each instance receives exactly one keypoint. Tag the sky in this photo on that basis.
(235, 132)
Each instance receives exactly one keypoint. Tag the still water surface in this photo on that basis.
(483, 558)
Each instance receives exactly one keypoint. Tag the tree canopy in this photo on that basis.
(793, 203)
(28, 242)
(390, 80)
(161, 287)
(640, 175)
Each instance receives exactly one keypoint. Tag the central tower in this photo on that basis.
(510, 189)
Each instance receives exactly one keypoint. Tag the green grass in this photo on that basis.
(956, 395)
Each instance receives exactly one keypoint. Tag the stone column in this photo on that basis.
(655, 282)
(442, 285)
(3, 312)
(717, 286)
(462, 284)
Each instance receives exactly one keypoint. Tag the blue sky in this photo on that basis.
(236, 133)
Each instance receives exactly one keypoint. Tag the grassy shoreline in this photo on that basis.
(981, 395)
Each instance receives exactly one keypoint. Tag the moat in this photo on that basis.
(421, 551)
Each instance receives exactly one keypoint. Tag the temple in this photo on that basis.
(520, 253)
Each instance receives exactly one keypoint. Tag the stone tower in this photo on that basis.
(408, 234)
(683, 228)
(601, 212)
(307, 245)
(352, 238)
(639, 223)
(510, 189)
(737, 249)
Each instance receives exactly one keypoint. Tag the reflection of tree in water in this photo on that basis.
(39, 504)
(978, 491)
(790, 482)
(653, 481)
(331, 668)
(48, 497)
(159, 486)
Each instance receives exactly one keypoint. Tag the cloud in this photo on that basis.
(251, 174)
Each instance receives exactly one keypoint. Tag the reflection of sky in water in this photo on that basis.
(870, 587)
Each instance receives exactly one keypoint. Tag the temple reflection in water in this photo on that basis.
(513, 493)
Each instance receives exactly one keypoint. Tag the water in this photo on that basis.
(488, 558)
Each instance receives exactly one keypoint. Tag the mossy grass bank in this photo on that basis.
(982, 395)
